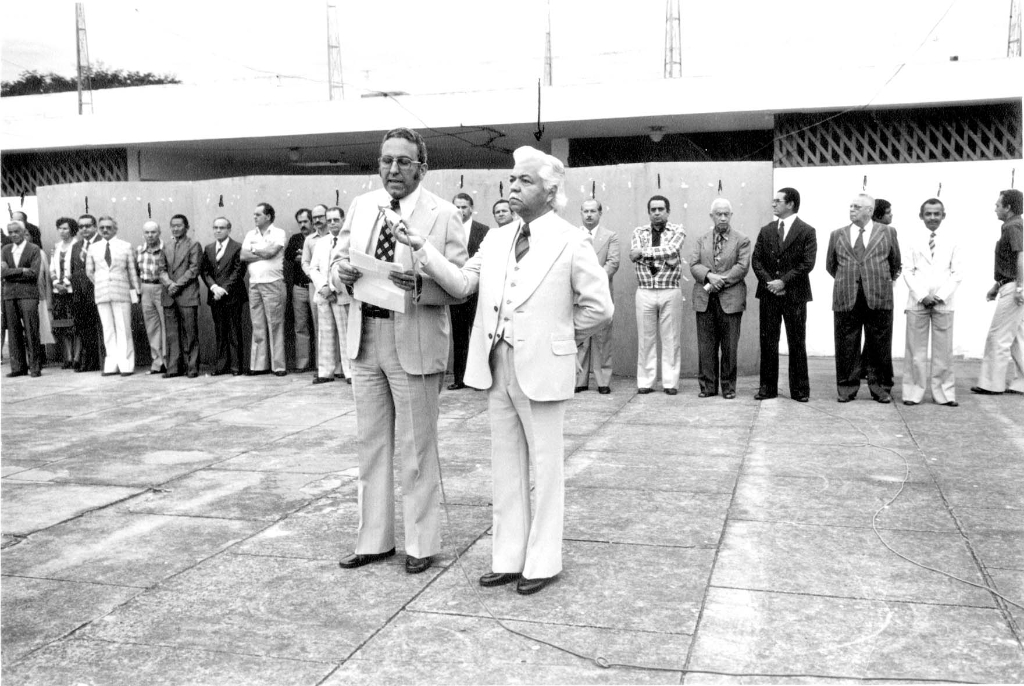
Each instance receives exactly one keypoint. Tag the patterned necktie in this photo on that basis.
(931, 244)
(782, 231)
(221, 247)
(523, 242)
(858, 247)
(386, 241)
(106, 254)
(719, 245)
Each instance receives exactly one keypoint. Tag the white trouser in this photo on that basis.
(116, 319)
(1005, 342)
(916, 375)
(658, 315)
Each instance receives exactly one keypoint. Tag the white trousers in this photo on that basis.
(1005, 342)
(116, 319)
(331, 333)
(916, 374)
(658, 315)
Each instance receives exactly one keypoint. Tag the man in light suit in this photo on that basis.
(398, 358)
(462, 315)
(597, 348)
(784, 256)
(223, 272)
(719, 264)
(110, 265)
(182, 259)
(864, 259)
(332, 305)
(22, 261)
(541, 291)
(932, 276)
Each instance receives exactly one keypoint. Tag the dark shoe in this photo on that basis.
(580, 389)
(257, 372)
(846, 398)
(671, 391)
(322, 379)
(910, 402)
(237, 372)
(643, 391)
(801, 398)
(170, 375)
(951, 403)
(127, 373)
(348, 381)
(762, 395)
(705, 394)
(729, 395)
(156, 371)
(192, 375)
(883, 398)
(35, 374)
(417, 565)
(499, 579)
(604, 390)
(456, 386)
(531, 586)
(11, 375)
(983, 391)
(358, 560)
(216, 373)
(110, 374)
(1010, 391)
(281, 373)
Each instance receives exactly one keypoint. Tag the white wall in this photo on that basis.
(969, 191)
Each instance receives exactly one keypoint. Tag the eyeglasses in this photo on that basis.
(319, 216)
(404, 163)
(334, 220)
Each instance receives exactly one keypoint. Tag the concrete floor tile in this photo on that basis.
(847, 562)
(282, 413)
(645, 517)
(759, 633)
(709, 679)
(996, 535)
(983, 487)
(467, 481)
(78, 661)
(624, 587)
(317, 450)
(838, 501)
(595, 469)
(38, 611)
(685, 409)
(1010, 583)
(832, 461)
(123, 549)
(29, 507)
(675, 439)
(146, 469)
(71, 404)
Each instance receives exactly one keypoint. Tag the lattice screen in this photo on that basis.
(952, 134)
(23, 172)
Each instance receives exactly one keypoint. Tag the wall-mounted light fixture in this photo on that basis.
(656, 133)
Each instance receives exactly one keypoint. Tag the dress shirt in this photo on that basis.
(151, 262)
(1007, 247)
(266, 271)
(855, 231)
(665, 257)
(787, 224)
(17, 250)
(221, 247)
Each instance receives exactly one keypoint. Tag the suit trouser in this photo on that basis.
(303, 314)
(523, 430)
(182, 338)
(775, 311)
(266, 307)
(21, 316)
(718, 338)
(116, 319)
(877, 328)
(331, 334)
(658, 314)
(596, 351)
(462, 323)
(1005, 341)
(87, 333)
(915, 363)
(156, 328)
(388, 401)
(227, 329)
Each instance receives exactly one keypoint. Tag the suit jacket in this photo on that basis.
(421, 333)
(560, 296)
(606, 246)
(82, 290)
(113, 283)
(16, 284)
(477, 232)
(183, 260)
(320, 269)
(791, 261)
(937, 275)
(735, 263)
(228, 273)
(881, 266)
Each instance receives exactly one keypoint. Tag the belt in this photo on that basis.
(374, 312)
(151, 281)
(1003, 282)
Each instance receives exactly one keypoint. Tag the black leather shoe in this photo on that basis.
(322, 379)
(35, 374)
(761, 395)
(237, 372)
(580, 389)
(122, 373)
(951, 403)
(531, 586)
(705, 394)
(417, 565)
(643, 391)
(112, 374)
(883, 398)
(456, 386)
(281, 373)
(801, 398)
(729, 395)
(156, 371)
(983, 391)
(169, 375)
(257, 372)
(604, 390)
(499, 578)
(358, 560)
(11, 375)
(846, 398)
(910, 402)
(671, 391)
(193, 375)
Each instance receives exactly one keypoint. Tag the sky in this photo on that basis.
(462, 45)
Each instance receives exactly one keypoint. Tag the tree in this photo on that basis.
(32, 82)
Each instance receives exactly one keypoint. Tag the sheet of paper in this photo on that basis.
(374, 286)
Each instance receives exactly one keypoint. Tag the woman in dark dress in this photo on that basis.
(60, 271)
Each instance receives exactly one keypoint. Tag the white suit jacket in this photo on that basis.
(422, 332)
(113, 283)
(927, 275)
(557, 295)
(319, 266)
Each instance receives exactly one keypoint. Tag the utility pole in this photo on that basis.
(547, 50)
(673, 45)
(335, 82)
(82, 54)
(1013, 43)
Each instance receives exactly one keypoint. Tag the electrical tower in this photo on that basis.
(673, 45)
(82, 53)
(547, 50)
(1013, 43)
(334, 80)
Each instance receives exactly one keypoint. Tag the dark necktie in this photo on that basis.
(106, 254)
(334, 242)
(386, 241)
(782, 231)
(655, 242)
(523, 242)
(719, 244)
(931, 244)
(858, 247)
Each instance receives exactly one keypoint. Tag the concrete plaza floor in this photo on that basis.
(187, 532)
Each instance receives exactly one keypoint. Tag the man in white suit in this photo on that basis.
(331, 305)
(541, 291)
(398, 359)
(597, 349)
(110, 265)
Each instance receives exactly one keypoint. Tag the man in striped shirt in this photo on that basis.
(654, 252)
(151, 261)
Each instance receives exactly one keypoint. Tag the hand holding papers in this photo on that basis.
(374, 286)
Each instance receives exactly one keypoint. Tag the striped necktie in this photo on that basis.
(931, 244)
(523, 241)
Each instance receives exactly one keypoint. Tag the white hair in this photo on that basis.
(551, 171)
(721, 201)
(867, 199)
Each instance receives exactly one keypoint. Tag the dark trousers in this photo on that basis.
(21, 316)
(227, 328)
(462, 324)
(877, 328)
(774, 311)
(182, 322)
(717, 332)
(88, 334)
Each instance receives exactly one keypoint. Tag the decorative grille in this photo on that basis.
(24, 172)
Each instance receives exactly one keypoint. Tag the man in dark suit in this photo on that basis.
(22, 261)
(32, 230)
(181, 300)
(784, 256)
(462, 315)
(83, 300)
(864, 259)
(224, 274)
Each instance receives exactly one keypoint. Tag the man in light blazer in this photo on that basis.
(541, 291)
(596, 349)
(22, 262)
(462, 315)
(932, 275)
(182, 259)
(864, 259)
(223, 272)
(110, 265)
(398, 358)
(784, 256)
(332, 305)
(719, 264)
